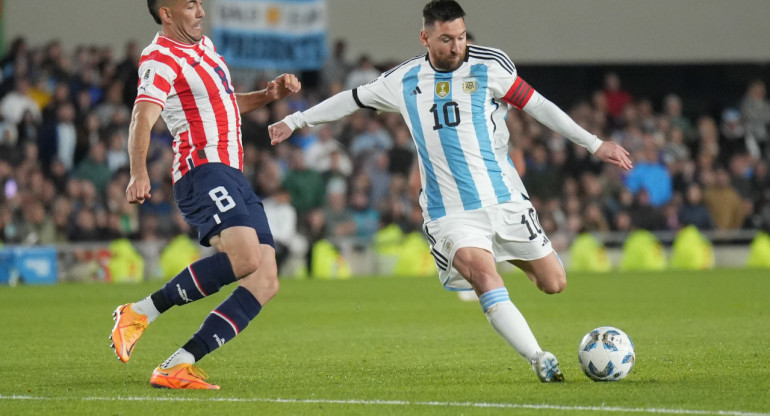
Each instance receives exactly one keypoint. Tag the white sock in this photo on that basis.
(506, 319)
(179, 357)
(147, 308)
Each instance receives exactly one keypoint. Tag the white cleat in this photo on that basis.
(546, 367)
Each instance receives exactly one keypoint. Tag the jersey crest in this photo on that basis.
(470, 85)
(442, 88)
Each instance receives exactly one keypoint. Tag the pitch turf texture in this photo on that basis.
(400, 346)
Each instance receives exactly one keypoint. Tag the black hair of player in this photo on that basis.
(441, 11)
(153, 6)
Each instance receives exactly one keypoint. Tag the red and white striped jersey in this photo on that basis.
(192, 85)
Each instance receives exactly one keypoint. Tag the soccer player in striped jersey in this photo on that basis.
(184, 80)
(476, 211)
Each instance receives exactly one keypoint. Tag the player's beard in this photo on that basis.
(450, 63)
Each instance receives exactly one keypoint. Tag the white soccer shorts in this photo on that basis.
(507, 230)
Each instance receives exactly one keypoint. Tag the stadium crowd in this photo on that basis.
(63, 160)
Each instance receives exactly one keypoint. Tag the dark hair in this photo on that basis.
(153, 6)
(441, 11)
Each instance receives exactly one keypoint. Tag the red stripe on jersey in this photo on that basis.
(195, 120)
(193, 116)
(217, 106)
(227, 121)
(162, 58)
(149, 99)
(519, 94)
(183, 150)
(161, 83)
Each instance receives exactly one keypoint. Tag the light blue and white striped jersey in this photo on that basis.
(457, 120)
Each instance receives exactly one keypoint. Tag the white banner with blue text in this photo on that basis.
(270, 34)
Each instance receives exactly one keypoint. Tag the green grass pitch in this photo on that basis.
(400, 346)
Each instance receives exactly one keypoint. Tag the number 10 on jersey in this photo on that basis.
(450, 111)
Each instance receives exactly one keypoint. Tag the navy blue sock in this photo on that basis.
(224, 323)
(196, 281)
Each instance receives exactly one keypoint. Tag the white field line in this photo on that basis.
(610, 409)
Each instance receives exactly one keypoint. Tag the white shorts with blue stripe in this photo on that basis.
(510, 231)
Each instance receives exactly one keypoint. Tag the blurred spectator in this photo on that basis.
(366, 218)
(732, 137)
(615, 97)
(693, 211)
(94, 167)
(541, 179)
(85, 228)
(335, 70)
(112, 111)
(675, 151)
(303, 138)
(644, 215)
(17, 102)
(305, 186)
(755, 109)
(58, 138)
(672, 107)
(254, 128)
(282, 218)
(594, 220)
(319, 154)
(339, 223)
(362, 73)
(373, 139)
(62, 213)
(16, 51)
(651, 176)
(708, 136)
(379, 178)
(741, 173)
(28, 129)
(117, 150)
(36, 228)
(402, 154)
(127, 70)
(723, 202)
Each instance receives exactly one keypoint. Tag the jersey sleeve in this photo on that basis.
(157, 73)
(382, 94)
(504, 82)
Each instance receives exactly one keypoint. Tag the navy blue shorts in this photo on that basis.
(214, 196)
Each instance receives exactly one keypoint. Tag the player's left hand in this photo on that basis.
(279, 132)
(615, 154)
(282, 86)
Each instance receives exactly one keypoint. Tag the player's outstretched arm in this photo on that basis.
(557, 120)
(276, 89)
(615, 154)
(331, 109)
(143, 117)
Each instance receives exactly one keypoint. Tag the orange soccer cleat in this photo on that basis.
(181, 376)
(129, 326)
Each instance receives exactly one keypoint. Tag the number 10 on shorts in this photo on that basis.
(223, 200)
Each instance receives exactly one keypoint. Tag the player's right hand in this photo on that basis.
(138, 189)
(279, 132)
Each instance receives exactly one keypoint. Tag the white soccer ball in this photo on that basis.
(606, 354)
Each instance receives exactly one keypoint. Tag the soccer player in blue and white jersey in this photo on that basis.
(476, 211)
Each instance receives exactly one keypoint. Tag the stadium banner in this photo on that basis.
(270, 34)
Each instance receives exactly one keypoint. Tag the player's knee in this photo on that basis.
(272, 285)
(246, 262)
(263, 284)
(555, 284)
